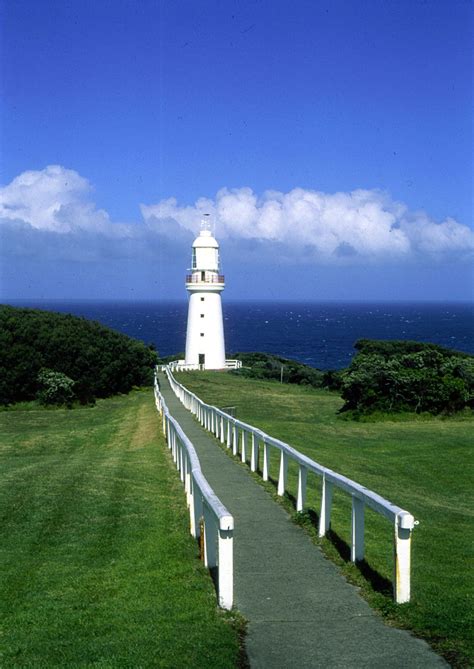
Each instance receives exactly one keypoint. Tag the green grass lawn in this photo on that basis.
(98, 566)
(423, 464)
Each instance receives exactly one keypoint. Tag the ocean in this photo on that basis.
(318, 334)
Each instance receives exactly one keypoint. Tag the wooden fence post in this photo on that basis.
(301, 498)
(266, 461)
(283, 474)
(254, 454)
(244, 446)
(326, 502)
(225, 568)
(357, 529)
(402, 561)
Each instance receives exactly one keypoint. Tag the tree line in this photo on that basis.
(60, 358)
(397, 376)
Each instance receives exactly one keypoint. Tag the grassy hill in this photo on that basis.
(421, 463)
(98, 566)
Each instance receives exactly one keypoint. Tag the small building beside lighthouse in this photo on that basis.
(205, 348)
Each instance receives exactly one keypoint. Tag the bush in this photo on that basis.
(407, 376)
(101, 362)
(55, 388)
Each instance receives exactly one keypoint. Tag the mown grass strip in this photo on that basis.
(98, 567)
(423, 464)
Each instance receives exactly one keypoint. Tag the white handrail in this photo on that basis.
(227, 429)
(204, 506)
(181, 366)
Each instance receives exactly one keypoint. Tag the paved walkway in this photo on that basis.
(301, 612)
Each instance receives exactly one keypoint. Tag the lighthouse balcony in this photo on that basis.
(198, 278)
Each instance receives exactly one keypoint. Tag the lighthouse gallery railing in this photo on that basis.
(205, 508)
(211, 278)
(239, 435)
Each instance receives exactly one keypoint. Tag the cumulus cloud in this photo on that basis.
(53, 208)
(56, 200)
(362, 224)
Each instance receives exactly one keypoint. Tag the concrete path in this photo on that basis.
(301, 612)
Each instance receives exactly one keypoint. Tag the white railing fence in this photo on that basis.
(181, 366)
(242, 438)
(205, 509)
(233, 364)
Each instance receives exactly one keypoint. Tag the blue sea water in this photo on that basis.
(319, 334)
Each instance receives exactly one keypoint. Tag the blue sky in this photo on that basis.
(332, 142)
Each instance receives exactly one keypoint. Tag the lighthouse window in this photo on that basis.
(202, 315)
(202, 334)
(194, 258)
(202, 299)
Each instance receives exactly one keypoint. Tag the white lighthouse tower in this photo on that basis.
(205, 334)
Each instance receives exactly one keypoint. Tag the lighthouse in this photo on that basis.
(205, 332)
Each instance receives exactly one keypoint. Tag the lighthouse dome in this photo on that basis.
(205, 240)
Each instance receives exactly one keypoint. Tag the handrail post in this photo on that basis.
(182, 459)
(222, 435)
(210, 538)
(174, 440)
(177, 448)
(171, 439)
(283, 473)
(225, 568)
(193, 524)
(266, 461)
(357, 529)
(235, 443)
(402, 562)
(244, 446)
(254, 454)
(228, 433)
(187, 484)
(301, 499)
(326, 503)
(197, 497)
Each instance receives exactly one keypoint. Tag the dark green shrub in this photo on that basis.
(407, 376)
(100, 361)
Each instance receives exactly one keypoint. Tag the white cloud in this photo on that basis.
(299, 226)
(54, 199)
(362, 224)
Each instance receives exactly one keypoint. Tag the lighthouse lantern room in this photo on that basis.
(205, 332)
